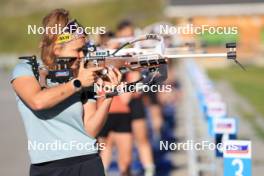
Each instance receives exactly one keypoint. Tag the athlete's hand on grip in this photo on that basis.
(114, 77)
(87, 76)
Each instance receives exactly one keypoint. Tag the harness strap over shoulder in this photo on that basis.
(32, 61)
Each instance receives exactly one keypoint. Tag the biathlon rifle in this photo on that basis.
(152, 63)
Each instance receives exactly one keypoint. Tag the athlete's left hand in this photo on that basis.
(114, 78)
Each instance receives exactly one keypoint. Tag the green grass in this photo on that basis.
(262, 35)
(250, 83)
(218, 39)
(13, 30)
(249, 117)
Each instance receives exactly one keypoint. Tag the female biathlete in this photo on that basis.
(55, 118)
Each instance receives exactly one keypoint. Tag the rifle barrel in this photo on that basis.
(202, 55)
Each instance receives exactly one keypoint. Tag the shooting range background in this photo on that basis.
(242, 91)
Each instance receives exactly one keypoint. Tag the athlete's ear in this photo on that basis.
(57, 49)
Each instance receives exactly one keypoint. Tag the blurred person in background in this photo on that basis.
(117, 129)
(56, 112)
(139, 127)
(136, 118)
(104, 39)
